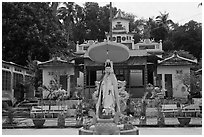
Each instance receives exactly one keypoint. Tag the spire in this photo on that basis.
(120, 15)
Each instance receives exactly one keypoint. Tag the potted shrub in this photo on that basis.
(61, 120)
(79, 115)
(183, 120)
(10, 113)
(38, 120)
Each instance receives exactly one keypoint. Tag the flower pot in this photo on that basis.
(184, 121)
(38, 122)
(61, 121)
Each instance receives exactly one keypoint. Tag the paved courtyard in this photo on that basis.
(71, 122)
(74, 131)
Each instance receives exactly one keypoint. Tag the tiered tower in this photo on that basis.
(120, 29)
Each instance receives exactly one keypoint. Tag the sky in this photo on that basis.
(179, 11)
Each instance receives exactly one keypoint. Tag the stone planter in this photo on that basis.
(184, 121)
(134, 131)
(38, 122)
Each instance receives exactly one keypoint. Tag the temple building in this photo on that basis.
(57, 70)
(145, 65)
(14, 77)
(167, 71)
(139, 70)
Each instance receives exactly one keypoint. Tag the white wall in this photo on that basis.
(175, 82)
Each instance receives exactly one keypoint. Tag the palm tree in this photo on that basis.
(66, 14)
(163, 20)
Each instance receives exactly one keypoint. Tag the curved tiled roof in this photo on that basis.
(175, 59)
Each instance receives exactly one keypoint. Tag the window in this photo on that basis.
(157, 46)
(6, 67)
(179, 71)
(17, 69)
(6, 80)
(91, 78)
(136, 77)
(118, 39)
(17, 78)
(123, 38)
(50, 73)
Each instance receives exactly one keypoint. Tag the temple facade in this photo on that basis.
(139, 70)
(145, 65)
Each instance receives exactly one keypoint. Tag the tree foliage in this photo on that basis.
(41, 30)
(192, 83)
(29, 29)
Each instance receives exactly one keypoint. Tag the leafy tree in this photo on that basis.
(66, 13)
(79, 27)
(29, 29)
(91, 10)
(188, 37)
(192, 83)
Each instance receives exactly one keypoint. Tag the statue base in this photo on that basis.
(107, 127)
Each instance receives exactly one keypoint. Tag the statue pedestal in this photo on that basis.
(106, 127)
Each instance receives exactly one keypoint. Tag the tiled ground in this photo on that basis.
(71, 122)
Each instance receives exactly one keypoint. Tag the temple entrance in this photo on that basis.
(168, 85)
(63, 81)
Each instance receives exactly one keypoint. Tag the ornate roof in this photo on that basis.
(177, 60)
(55, 61)
(120, 15)
(14, 64)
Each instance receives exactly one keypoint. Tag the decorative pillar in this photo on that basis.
(85, 73)
(145, 76)
(12, 84)
(68, 84)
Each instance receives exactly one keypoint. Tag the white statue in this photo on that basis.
(108, 95)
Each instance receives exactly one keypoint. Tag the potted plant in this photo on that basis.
(61, 116)
(9, 111)
(79, 115)
(61, 120)
(38, 120)
(183, 120)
